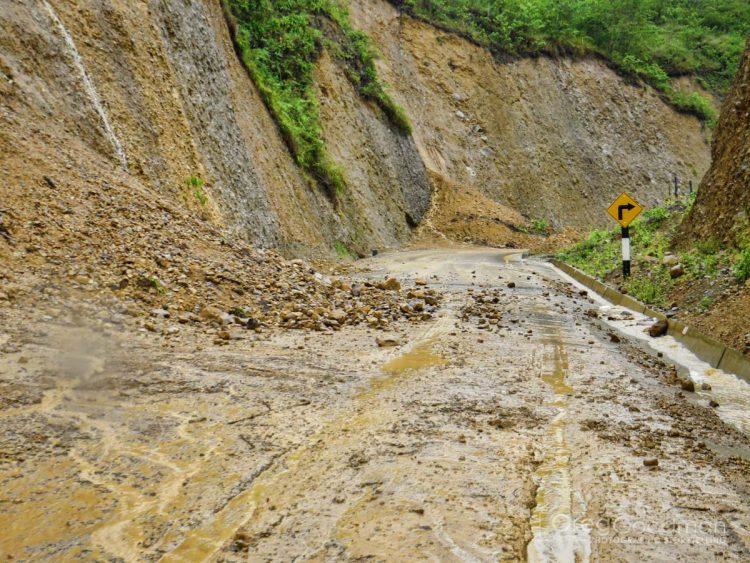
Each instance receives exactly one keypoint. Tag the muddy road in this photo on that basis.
(518, 424)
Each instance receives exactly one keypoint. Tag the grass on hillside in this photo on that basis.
(654, 40)
(651, 236)
(279, 42)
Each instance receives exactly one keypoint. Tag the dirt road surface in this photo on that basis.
(518, 425)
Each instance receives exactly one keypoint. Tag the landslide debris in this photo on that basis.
(158, 265)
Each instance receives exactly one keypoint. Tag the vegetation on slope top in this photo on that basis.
(652, 39)
(279, 42)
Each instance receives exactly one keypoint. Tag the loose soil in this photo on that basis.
(511, 424)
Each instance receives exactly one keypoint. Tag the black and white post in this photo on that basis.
(626, 252)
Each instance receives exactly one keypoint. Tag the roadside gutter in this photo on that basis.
(711, 351)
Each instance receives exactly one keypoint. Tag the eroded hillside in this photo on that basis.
(156, 93)
(552, 138)
(158, 90)
(723, 203)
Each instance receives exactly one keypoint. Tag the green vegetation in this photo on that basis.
(195, 185)
(157, 285)
(651, 235)
(742, 267)
(540, 227)
(650, 39)
(342, 250)
(279, 42)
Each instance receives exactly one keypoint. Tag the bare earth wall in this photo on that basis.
(723, 201)
(549, 138)
(180, 104)
(557, 139)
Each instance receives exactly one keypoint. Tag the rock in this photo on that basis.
(160, 313)
(614, 338)
(676, 271)
(416, 305)
(705, 386)
(688, 385)
(338, 315)
(172, 330)
(511, 285)
(592, 313)
(390, 284)
(210, 313)
(151, 327)
(224, 335)
(670, 260)
(651, 462)
(387, 342)
(356, 290)
(713, 404)
(658, 329)
(420, 281)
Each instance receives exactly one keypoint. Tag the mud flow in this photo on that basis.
(511, 426)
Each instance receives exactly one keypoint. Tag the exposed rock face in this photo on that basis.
(181, 105)
(156, 90)
(557, 139)
(723, 202)
(384, 171)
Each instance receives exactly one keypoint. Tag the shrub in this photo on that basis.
(279, 43)
(742, 267)
(342, 250)
(195, 185)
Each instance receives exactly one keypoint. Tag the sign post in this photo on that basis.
(624, 210)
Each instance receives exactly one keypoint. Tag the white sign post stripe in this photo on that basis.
(626, 249)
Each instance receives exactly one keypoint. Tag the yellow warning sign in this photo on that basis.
(625, 209)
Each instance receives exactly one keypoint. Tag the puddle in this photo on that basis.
(517, 257)
(726, 452)
(421, 356)
(556, 534)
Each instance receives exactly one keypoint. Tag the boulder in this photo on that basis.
(658, 329)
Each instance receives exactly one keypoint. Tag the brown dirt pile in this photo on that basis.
(81, 233)
(461, 213)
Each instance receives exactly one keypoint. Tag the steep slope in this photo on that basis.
(158, 89)
(723, 201)
(552, 138)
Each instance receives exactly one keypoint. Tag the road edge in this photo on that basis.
(710, 350)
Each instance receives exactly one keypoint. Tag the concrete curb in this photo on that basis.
(709, 350)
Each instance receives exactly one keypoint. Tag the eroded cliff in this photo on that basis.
(153, 94)
(723, 204)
